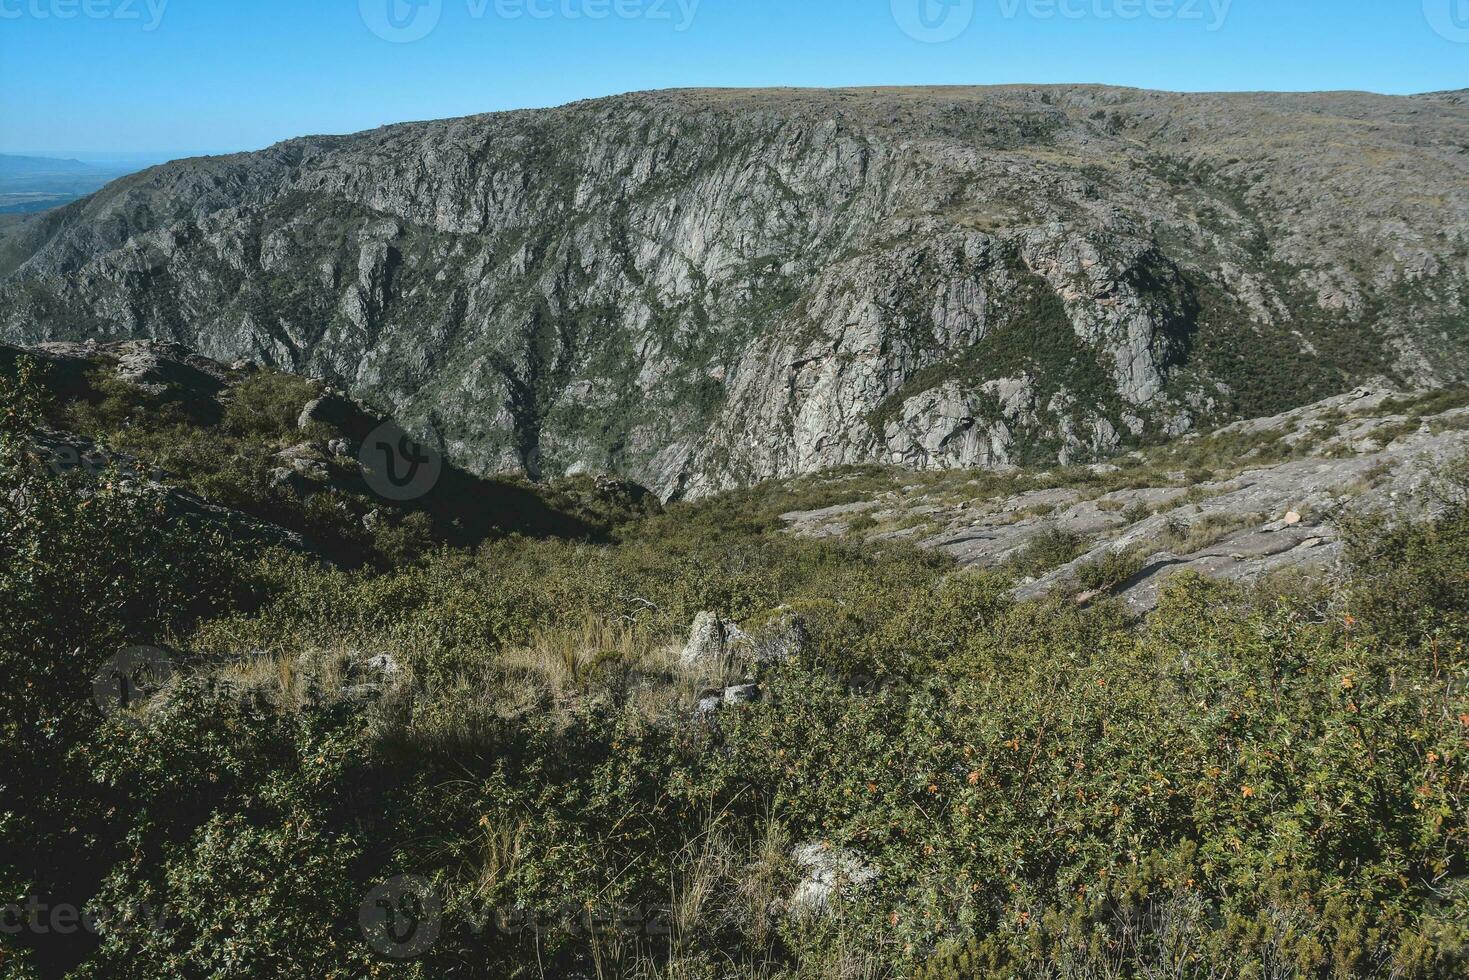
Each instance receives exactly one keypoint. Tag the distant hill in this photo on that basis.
(22, 166)
(30, 184)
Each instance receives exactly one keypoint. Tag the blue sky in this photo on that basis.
(191, 76)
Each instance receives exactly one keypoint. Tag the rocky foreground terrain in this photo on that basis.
(702, 289)
(1271, 500)
(727, 738)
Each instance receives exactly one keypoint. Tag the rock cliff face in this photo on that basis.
(699, 289)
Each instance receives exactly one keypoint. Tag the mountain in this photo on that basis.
(701, 289)
(1253, 501)
(23, 166)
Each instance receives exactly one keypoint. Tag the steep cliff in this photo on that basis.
(698, 289)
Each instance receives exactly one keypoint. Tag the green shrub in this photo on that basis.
(1047, 551)
(1109, 571)
(267, 405)
(1248, 780)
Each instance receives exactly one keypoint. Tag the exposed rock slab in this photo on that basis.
(1361, 453)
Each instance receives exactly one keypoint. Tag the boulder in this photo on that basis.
(338, 412)
(708, 707)
(383, 664)
(711, 704)
(782, 638)
(709, 641)
(742, 694)
(714, 641)
(307, 461)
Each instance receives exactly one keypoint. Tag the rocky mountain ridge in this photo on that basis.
(703, 289)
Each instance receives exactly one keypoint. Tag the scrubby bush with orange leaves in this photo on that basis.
(1246, 784)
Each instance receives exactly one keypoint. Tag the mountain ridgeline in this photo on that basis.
(697, 290)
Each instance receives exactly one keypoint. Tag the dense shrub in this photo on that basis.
(87, 566)
(1247, 784)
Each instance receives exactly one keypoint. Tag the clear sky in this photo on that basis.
(193, 76)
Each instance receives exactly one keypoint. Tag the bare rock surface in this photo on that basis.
(1369, 451)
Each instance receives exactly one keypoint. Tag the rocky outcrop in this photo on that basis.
(328, 454)
(714, 642)
(696, 290)
(709, 641)
(67, 454)
(1370, 451)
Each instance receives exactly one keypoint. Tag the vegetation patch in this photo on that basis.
(1242, 779)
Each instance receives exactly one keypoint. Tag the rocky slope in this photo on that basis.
(278, 459)
(1257, 498)
(699, 289)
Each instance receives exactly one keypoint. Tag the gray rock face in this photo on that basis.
(714, 641)
(781, 638)
(158, 368)
(1368, 451)
(336, 411)
(696, 290)
(709, 641)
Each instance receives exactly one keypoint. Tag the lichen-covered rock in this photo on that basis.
(742, 694)
(781, 637)
(708, 643)
(710, 705)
